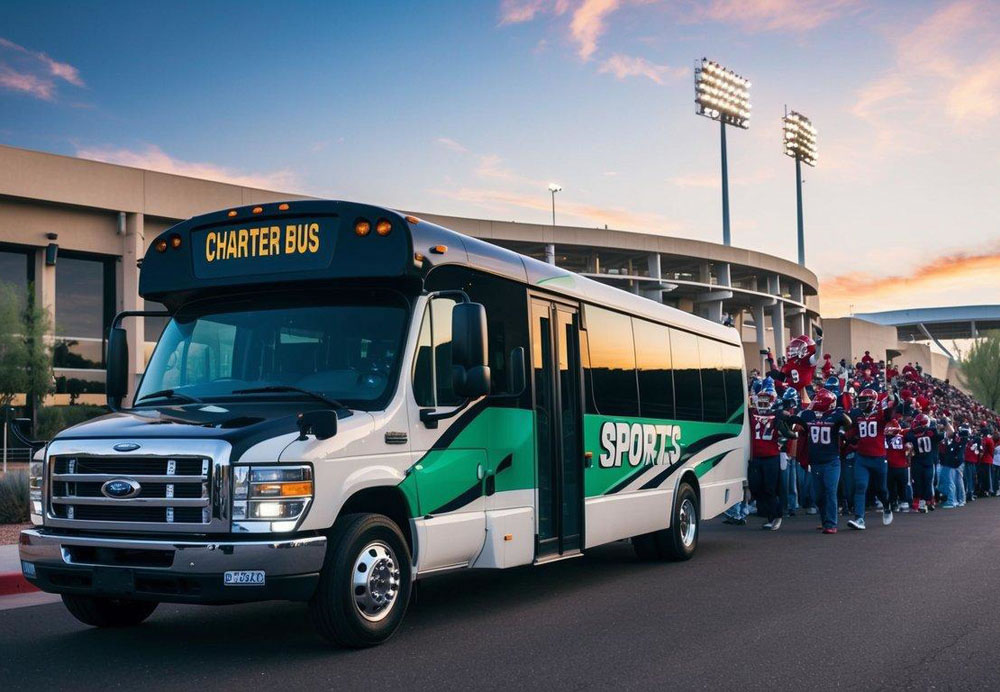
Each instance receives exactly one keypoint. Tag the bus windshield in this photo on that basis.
(344, 347)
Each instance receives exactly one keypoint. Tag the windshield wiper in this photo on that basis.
(170, 394)
(333, 403)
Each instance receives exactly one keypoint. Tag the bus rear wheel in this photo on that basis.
(678, 541)
(365, 583)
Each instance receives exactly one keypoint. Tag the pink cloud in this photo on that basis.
(33, 72)
(26, 83)
(155, 159)
(623, 66)
(518, 11)
(774, 15)
(588, 23)
(449, 143)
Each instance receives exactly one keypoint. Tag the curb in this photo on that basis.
(15, 583)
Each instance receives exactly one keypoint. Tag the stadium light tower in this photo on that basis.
(550, 248)
(800, 144)
(722, 95)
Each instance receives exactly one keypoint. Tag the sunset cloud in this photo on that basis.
(774, 15)
(950, 278)
(623, 66)
(155, 159)
(34, 73)
(587, 215)
(449, 143)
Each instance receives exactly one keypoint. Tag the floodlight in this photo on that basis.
(800, 138)
(554, 188)
(721, 94)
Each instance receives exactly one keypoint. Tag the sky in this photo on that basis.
(473, 107)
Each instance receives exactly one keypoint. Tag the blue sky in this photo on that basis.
(471, 108)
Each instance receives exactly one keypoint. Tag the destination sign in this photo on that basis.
(262, 248)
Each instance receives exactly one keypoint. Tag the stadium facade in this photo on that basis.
(73, 230)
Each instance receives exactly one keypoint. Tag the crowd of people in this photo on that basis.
(836, 439)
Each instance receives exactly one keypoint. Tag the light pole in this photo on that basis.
(800, 144)
(550, 248)
(722, 95)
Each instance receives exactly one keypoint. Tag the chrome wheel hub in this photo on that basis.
(687, 523)
(375, 581)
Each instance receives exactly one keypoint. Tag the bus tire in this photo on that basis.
(680, 540)
(98, 611)
(364, 586)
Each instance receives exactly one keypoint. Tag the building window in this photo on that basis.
(16, 268)
(85, 304)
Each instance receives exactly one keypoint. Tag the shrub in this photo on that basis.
(53, 419)
(14, 498)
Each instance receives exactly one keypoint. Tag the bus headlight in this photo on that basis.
(36, 470)
(270, 498)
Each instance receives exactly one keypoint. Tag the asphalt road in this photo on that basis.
(912, 606)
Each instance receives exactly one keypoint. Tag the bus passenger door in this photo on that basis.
(556, 380)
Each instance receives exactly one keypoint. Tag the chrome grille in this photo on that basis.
(182, 492)
(172, 490)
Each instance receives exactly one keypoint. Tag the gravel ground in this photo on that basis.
(9, 532)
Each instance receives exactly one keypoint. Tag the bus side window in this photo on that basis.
(735, 383)
(612, 362)
(656, 378)
(712, 381)
(432, 385)
(687, 374)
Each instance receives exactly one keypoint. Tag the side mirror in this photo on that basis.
(517, 379)
(322, 423)
(117, 367)
(470, 369)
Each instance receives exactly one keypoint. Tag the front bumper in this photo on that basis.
(175, 571)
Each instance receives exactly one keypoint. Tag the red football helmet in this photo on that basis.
(824, 401)
(920, 422)
(802, 347)
(892, 429)
(867, 400)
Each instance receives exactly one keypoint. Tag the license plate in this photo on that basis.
(245, 577)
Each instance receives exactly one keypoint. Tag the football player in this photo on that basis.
(870, 419)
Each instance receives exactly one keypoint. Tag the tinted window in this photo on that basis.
(432, 378)
(687, 374)
(713, 385)
(612, 362)
(735, 382)
(653, 362)
(506, 317)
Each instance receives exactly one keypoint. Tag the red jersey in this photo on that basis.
(896, 452)
(764, 435)
(827, 368)
(971, 452)
(988, 447)
(870, 431)
(798, 374)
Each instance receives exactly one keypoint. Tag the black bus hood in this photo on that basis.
(242, 424)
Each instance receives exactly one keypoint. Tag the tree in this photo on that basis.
(25, 356)
(981, 368)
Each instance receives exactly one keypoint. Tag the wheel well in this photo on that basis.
(385, 500)
(692, 480)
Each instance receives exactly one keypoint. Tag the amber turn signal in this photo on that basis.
(161, 245)
(362, 227)
(383, 227)
(175, 241)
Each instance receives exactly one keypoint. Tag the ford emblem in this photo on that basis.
(126, 447)
(121, 488)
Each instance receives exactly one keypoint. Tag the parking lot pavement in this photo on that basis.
(909, 606)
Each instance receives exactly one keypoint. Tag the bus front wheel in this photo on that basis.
(680, 539)
(365, 583)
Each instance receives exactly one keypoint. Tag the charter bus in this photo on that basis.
(346, 399)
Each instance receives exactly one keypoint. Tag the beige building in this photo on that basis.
(74, 229)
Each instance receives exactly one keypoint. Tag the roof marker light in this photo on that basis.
(175, 241)
(161, 245)
(362, 227)
(257, 210)
(231, 213)
(412, 219)
(439, 249)
(283, 206)
(383, 227)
